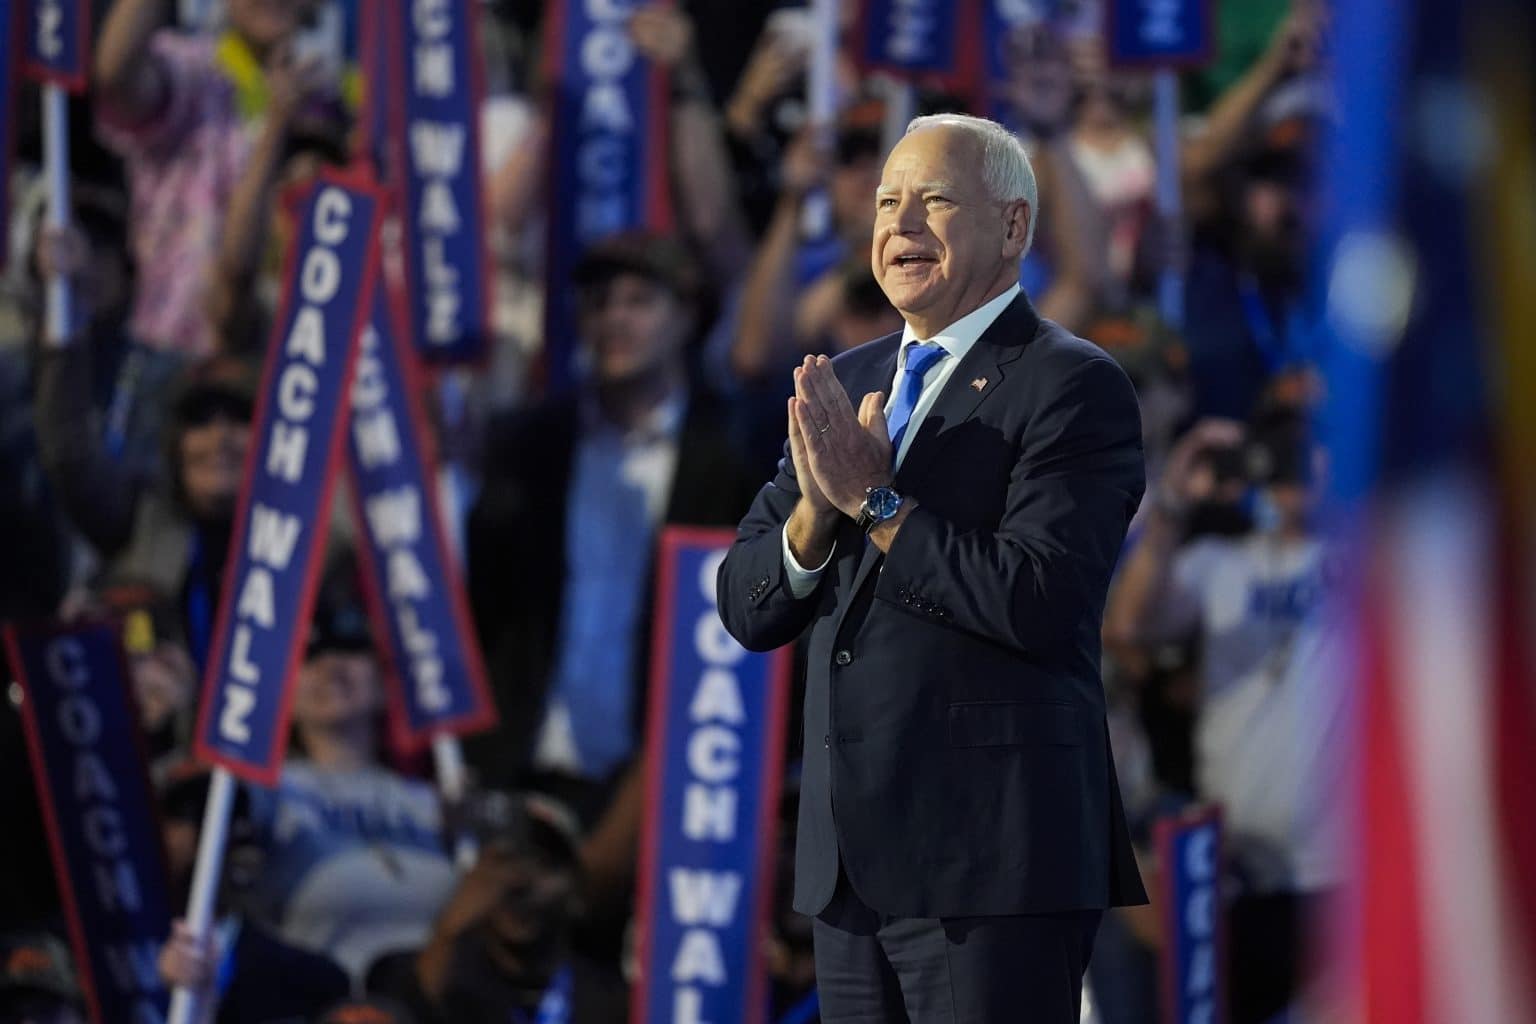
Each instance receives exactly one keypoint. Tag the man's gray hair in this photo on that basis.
(1005, 168)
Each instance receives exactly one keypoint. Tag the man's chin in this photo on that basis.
(910, 303)
(908, 291)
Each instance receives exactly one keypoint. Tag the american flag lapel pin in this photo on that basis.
(979, 384)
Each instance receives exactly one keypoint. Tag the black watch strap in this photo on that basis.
(866, 519)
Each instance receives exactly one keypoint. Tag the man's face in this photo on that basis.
(337, 687)
(530, 919)
(212, 459)
(265, 23)
(942, 244)
(1274, 234)
(634, 328)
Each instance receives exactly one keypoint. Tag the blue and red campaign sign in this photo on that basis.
(56, 41)
(278, 542)
(715, 748)
(608, 154)
(912, 37)
(1160, 33)
(82, 734)
(414, 592)
(1194, 951)
(435, 118)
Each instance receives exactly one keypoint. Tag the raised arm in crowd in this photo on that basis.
(703, 186)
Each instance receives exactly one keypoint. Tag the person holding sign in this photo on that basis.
(501, 949)
(574, 493)
(948, 548)
(187, 113)
(172, 532)
(245, 970)
(357, 855)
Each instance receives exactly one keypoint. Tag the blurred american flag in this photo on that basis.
(1427, 279)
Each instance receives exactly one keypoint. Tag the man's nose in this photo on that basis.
(909, 217)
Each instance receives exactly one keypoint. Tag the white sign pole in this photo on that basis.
(453, 784)
(1170, 286)
(453, 483)
(187, 1005)
(56, 165)
(821, 104)
(453, 506)
(900, 106)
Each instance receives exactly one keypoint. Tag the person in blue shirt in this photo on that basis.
(357, 859)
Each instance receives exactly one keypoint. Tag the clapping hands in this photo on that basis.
(838, 453)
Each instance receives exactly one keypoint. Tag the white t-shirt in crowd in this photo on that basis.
(356, 863)
(1271, 719)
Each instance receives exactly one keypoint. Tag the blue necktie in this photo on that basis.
(920, 359)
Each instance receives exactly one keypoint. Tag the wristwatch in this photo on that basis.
(880, 504)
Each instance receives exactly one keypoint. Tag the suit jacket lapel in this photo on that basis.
(881, 376)
(999, 345)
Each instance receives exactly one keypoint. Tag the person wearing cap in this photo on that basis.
(343, 862)
(945, 553)
(562, 537)
(357, 859)
(501, 950)
(1251, 208)
(1270, 718)
(246, 972)
(37, 981)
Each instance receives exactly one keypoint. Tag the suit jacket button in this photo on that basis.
(826, 740)
(843, 657)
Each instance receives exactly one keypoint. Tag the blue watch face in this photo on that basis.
(883, 502)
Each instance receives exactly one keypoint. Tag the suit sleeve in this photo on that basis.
(1045, 570)
(752, 589)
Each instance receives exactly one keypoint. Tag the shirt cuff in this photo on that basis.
(801, 582)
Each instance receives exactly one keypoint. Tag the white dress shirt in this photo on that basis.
(956, 340)
(617, 497)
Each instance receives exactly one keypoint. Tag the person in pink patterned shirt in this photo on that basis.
(185, 112)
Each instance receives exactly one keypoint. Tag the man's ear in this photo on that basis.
(1017, 217)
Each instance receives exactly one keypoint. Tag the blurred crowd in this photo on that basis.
(122, 447)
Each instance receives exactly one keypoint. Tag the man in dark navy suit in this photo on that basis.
(945, 524)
